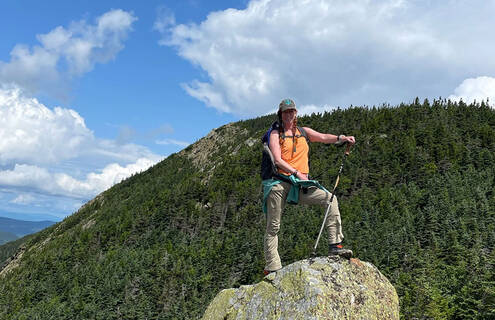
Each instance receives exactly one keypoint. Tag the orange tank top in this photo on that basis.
(297, 158)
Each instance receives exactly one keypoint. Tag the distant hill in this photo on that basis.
(417, 201)
(29, 216)
(21, 228)
(6, 237)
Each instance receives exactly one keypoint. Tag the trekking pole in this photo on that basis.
(346, 153)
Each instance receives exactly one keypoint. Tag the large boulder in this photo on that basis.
(319, 288)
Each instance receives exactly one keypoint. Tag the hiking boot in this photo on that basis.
(338, 250)
(267, 272)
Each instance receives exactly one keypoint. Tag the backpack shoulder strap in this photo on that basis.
(303, 133)
(301, 130)
(266, 136)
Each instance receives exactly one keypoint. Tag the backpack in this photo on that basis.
(268, 167)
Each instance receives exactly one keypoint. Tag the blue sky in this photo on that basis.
(92, 91)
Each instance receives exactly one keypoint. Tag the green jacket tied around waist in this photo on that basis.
(293, 196)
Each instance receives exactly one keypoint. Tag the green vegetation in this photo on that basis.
(417, 200)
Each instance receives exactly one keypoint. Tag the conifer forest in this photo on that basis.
(416, 197)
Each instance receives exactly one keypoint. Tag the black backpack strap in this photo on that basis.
(270, 169)
(301, 130)
(303, 133)
(266, 136)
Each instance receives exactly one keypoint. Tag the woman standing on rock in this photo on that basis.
(290, 152)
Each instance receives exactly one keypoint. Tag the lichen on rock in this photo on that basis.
(319, 288)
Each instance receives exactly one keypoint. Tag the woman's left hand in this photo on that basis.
(349, 139)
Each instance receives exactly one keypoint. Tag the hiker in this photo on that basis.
(289, 148)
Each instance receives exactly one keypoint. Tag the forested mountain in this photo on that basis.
(417, 200)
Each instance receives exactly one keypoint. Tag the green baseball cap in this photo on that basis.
(286, 104)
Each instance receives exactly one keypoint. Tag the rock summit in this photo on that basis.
(319, 288)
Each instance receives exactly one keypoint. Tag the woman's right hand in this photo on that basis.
(301, 176)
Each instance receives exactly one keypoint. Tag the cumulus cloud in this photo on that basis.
(34, 206)
(23, 199)
(39, 146)
(475, 89)
(41, 180)
(306, 109)
(333, 52)
(309, 109)
(102, 180)
(32, 133)
(49, 159)
(165, 19)
(67, 52)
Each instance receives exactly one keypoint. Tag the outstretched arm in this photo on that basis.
(315, 136)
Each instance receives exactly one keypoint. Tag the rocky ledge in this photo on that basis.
(319, 288)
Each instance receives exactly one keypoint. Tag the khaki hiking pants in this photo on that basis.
(276, 203)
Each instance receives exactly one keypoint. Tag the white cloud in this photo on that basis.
(165, 19)
(52, 152)
(23, 199)
(334, 52)
(41, 180)
(34, 206)
(97, 182)
(65, 53)
(306, 109)
(309, 109)
(49, 159)
(479, 89)
(32, 133)
(172, 142)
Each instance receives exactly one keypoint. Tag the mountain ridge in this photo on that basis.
(416, 199)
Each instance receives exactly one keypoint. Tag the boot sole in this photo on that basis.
(346, 255)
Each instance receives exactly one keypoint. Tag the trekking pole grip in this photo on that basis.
(348, 149)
